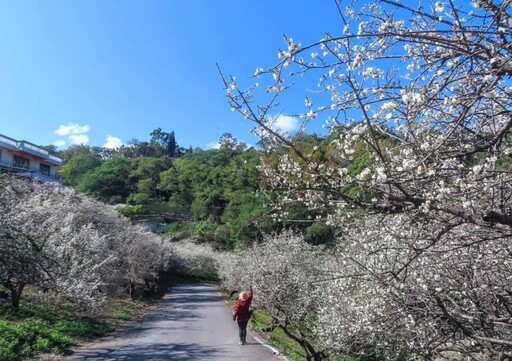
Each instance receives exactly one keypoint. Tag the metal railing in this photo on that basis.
(56, 159)
(33, 148)
(21, 171)
(39, 176)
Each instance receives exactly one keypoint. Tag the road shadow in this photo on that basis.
(183, 303)
(187, 294)
(177, 352)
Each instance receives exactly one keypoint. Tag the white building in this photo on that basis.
(25, 159)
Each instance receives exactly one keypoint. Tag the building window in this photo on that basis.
(21, 162)
(3, 161)
(44, 169)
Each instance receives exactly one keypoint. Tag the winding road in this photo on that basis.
(193, 323)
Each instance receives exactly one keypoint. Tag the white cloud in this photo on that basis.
(112, 142)
(59, 143)
(214, 145)
(76, 133)
(72, 129)
(286, 123)
(79, 139)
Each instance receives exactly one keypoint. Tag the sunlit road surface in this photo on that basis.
(193, 324)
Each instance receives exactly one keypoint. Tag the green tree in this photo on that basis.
(163, 143)
(77, 166)
(51, 148)
(134, 149)
(146, 173)
(111, 182)
(74, 150)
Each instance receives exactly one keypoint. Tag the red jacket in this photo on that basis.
(241, 311)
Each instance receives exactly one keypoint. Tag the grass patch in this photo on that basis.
(260, 321)
(20, 340)
(53, 325)
(81, 328)
(125, 309)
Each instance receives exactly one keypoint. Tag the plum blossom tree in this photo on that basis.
(430, 293)
(415, 169)
(37, 251)
(54, 238)
(284, 271)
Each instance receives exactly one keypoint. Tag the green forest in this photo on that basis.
(210, 195)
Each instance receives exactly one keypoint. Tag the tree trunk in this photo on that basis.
(311, 353)
(132, 290)
(16, 291)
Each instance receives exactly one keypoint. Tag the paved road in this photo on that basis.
(194, 323)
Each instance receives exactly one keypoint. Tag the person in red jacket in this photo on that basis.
(242, 314)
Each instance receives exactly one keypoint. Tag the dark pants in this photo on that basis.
(242, 328)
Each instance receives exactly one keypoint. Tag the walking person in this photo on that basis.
(242, 314)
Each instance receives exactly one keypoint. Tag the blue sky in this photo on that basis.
(90, 71)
